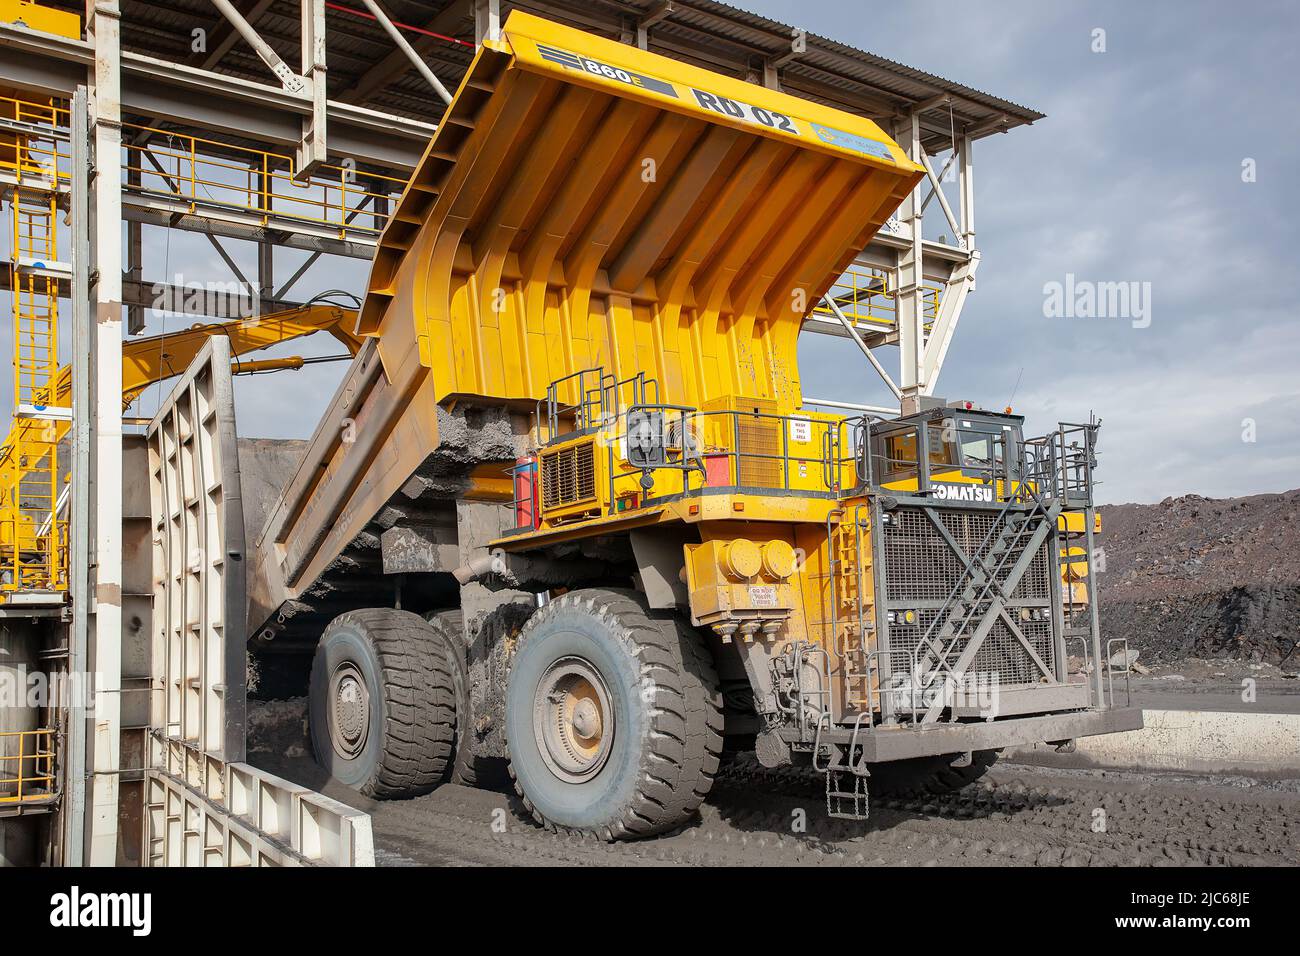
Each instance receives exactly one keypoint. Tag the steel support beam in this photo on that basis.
(290, 80)
(213, 101)
(910, 298)
(396, 36)
(313, 150)
(103, 28)
(134, 245)
(487, 20)
(223, 36)
(951, 304)
(73, 818)
(265, 276)
(853, 334)
(966, 188)
(852, 406)
(395, 64)
(657, 13)
(943, 200)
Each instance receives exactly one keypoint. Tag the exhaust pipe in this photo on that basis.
(474, 569)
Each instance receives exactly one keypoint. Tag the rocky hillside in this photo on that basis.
(1204, 577)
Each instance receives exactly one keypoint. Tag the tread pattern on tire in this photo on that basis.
(929, 775)
(420, 703)
(466, 769)
(678, 768)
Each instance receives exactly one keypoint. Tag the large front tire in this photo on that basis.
(613, 716)
(382, 704)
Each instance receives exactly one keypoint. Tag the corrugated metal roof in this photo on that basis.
(717, 35)
(869, 68)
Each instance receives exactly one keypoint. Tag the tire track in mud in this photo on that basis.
(1017, 816)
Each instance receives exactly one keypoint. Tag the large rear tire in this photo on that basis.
(613, 716)
(382, 703)
(928, 776)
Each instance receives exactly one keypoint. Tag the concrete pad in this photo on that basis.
(1194, 741)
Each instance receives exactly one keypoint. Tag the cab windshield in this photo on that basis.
(982, 446)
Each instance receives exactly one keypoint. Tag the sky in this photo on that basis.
(1136, 175)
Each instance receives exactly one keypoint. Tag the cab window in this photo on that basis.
(984, 444)
(977, 449)
(900, 452)
(940, 450)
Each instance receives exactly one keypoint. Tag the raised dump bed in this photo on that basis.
(584, 204)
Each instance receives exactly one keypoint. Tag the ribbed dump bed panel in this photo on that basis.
(586, 204)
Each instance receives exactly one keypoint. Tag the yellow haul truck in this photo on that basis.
(566, 507)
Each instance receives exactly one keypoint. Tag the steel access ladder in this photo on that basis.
(32, 542)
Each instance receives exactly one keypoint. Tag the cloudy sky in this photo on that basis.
(1134, 176)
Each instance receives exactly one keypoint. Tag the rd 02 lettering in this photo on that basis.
(743, 111)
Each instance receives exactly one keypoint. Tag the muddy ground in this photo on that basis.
(1016, 816)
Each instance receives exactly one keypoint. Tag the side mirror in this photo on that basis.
(646, 447)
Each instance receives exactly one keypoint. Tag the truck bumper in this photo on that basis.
(900, 743)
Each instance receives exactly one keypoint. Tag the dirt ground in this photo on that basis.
(1018, 816)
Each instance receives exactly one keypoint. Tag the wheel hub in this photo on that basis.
(573, 719)
(349, 710)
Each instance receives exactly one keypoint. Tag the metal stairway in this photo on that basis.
(979, 598)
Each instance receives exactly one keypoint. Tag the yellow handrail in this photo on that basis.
(865, 296)
(28, 773)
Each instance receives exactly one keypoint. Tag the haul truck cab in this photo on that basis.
(567, 508)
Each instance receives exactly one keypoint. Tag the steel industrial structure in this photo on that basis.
(296, 123)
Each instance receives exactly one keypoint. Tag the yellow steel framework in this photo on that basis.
(34, 167)
(144, 362)
(207, 172)
(32, 539)
(203, 173)
(26, 766)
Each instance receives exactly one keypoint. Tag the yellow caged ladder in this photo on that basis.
(32, 545)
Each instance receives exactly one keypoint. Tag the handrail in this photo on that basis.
(690, 421)
(207, 172)
(34, 774)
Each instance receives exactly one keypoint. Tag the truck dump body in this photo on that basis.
(584, 204)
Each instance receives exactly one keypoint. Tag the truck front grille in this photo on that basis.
(920, 572)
